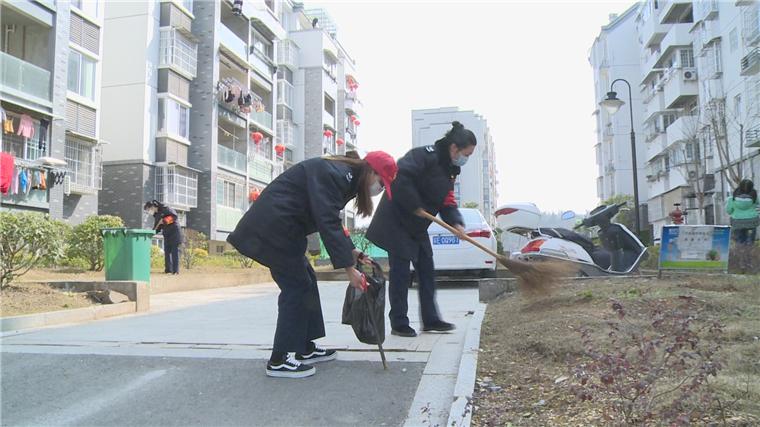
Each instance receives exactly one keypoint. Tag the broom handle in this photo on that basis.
(426, 215)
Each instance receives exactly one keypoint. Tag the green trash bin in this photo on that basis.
(127, 253)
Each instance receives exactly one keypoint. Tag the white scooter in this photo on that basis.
(621, 251)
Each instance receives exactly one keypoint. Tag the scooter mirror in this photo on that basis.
(567, 215)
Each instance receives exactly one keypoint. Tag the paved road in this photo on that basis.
(198, 359)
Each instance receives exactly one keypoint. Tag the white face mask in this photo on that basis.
(375, 189)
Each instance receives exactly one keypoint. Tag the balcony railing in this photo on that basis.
(263, 118)
(751, 62)
(233, 43)
(286, 132)
(285, 93)
(328, 119)
(179, 52)
(261, 169)
(230, 158)
(227, 218)
(287, 54)
(261, 62)
(17, 75)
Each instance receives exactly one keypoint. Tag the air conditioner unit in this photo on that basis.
(689, 75)
(67, 185)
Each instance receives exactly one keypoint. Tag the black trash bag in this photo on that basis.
(365, 311)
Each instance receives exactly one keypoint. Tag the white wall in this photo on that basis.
(129, 83)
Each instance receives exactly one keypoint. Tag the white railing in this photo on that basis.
(230, 158)
(178, 51)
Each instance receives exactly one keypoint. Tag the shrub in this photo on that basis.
(652, 373)
(653, 260)
(26, 240)
(193, 240)
(156, 257)
(86, 242)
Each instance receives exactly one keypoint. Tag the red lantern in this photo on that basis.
(357, 122)
(340, 141)
(353, 117)
(253, 195)
(279, 149)
(328, 133)
(257, 137)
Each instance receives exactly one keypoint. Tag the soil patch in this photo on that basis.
(29, 298)
(530, 345)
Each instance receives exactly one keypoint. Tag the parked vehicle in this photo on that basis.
(620, 253)
(511, 215)
(452, 254)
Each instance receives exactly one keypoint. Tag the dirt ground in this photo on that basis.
(530, 345)
(29, 298)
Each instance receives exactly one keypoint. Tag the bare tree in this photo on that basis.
(689, 157)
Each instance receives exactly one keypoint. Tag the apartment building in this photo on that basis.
(322, 115)
(50, 55)
(615, 55)
(200, 133)
(478, 181)
(701, 96)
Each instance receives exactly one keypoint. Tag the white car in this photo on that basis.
(452, 254)
(524, 215)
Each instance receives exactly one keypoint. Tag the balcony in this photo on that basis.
(752, 137)
(680, 87)
(227, 218)
(24, 80)
(178, 53)
(263, 118)
(652, 31)
(683, 129)
(655, 105)
(261, 63)
(177, 186)
(705, 9)
(673, 10)
(679, 35)
(285, 93)
(351, 103)
(287, 54)
(328, 119)
(750, 64)
(233, 44)
(230, 159)
(286, 132)
(657, 145)
(751, 23)
(262, 169)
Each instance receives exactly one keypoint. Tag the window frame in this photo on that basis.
(82, 58)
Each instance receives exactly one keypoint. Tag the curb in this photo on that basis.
(75, 315)
(461, 409)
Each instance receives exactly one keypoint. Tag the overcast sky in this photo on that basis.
(522, 65)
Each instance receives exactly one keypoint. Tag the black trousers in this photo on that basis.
(398, 290)
(299, 311)
(171, 258)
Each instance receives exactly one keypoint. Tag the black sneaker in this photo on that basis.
(317, 355)
(404, 331)
(289, 367)
(439, 326)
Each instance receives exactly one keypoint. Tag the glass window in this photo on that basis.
(733, 39)
(81, 78)
(173, 118)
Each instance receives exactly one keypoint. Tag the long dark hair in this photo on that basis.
(746, 187)
(363, 202)
(457, 135)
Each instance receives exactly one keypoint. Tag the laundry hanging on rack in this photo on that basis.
(237, 7)
(43, 135)
(25, 127)
(8, 124)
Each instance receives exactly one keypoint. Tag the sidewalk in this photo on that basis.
(198, 358)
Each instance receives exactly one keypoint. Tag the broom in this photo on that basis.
(532, 277)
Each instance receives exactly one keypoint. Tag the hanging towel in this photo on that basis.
(7, 163)
(43, 135)
(26, 127)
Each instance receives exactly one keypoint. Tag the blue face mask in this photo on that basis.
(460, 161)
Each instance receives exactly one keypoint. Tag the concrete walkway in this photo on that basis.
(198, 358)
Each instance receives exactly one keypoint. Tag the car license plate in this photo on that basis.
(445, 240)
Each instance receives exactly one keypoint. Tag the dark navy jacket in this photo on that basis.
(172, 232)
(425, 180)
(306, 198)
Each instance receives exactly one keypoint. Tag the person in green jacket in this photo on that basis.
(743, 208)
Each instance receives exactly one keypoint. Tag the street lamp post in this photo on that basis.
(612, 104)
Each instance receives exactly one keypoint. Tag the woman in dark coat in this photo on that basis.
(165, 222)
(426, 177)
(307, 198)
